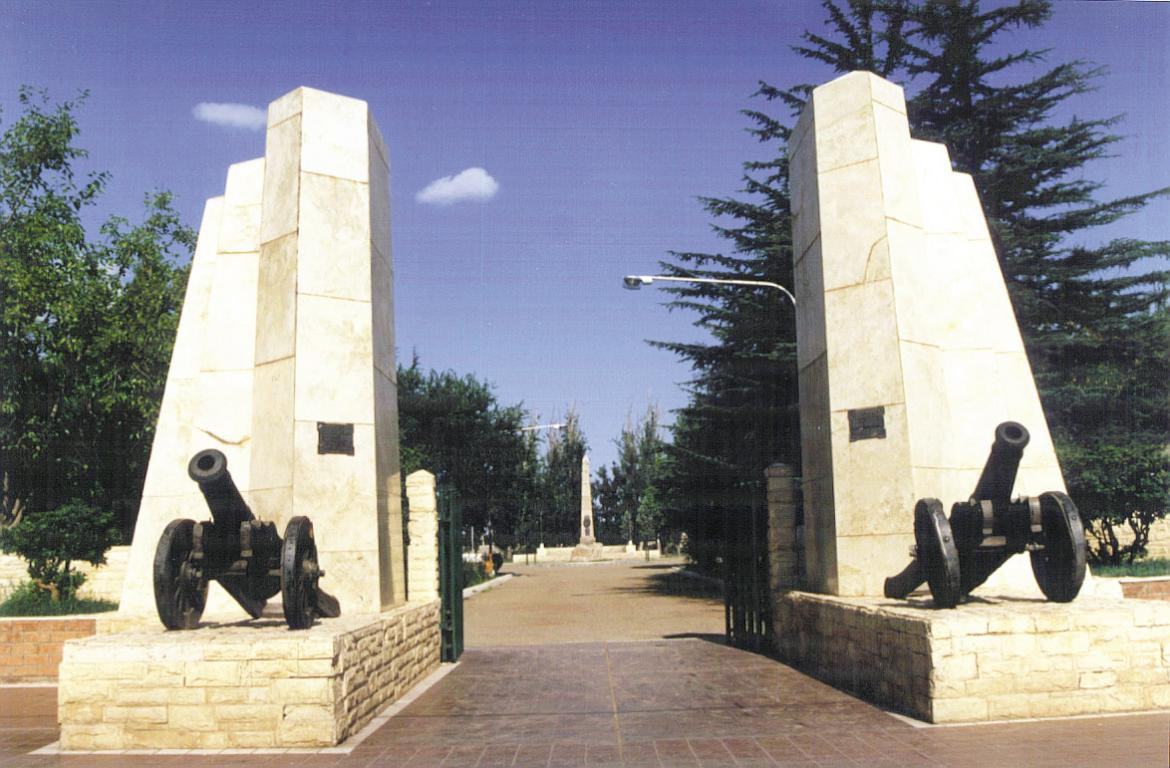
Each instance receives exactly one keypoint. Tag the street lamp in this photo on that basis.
(634, 282)
(535, 427)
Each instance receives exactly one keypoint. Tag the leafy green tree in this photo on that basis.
(1128, 487)
(560, 481)
(86, 325)
(453, 426)
(51, 541)
(631, 492)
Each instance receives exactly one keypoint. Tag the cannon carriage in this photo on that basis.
(954, 556)
(248, 558)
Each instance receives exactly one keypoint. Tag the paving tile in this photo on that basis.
(679, 703)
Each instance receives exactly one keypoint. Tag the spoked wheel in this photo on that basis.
(1060, 565)
(299, 573)
(937, 555)
(179, 595)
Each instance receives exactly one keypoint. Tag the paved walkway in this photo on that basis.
(672, 702)
(593, 602)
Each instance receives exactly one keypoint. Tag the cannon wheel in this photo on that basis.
(180, 604)
(1060, 566)
(937, 555)
(299, 573)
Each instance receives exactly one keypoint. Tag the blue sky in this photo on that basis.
(600, 123)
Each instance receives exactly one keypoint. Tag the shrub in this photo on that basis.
(473, 573)
(29, 599)
(51, 541)
(1119, 489)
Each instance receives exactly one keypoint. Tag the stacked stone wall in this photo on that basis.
(987, 660)
(783, 543)
(244, 686)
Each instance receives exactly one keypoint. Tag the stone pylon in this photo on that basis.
(284, 357)
(588, 527)
(907, 347)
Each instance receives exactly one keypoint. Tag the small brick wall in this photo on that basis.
(247, 685)
(30, 649)
(1146, 589)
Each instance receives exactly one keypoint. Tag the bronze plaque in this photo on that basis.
(335, 438)
(867, 423)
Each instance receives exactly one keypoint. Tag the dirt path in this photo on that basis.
(562, 603)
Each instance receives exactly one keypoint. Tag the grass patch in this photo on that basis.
(1153, 566)
(30, 600)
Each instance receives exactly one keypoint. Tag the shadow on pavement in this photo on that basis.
(675, 584)
(704, 636)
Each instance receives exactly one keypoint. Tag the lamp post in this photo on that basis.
(634, 282)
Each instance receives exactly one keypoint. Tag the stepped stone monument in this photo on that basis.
(909, 356)
(908, 350)
(288, 324)
(284, 362)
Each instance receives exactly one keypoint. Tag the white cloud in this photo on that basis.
(471, 184)
(231, 115)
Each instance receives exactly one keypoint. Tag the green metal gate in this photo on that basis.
(746, 600)
(450, 574)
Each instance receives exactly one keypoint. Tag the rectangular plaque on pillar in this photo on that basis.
(867, 423)
(334, 438)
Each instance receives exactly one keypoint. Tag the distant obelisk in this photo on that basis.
(587, 530)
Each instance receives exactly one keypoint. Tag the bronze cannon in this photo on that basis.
(245, 555)
(957, 555)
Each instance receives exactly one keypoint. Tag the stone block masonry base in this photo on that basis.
(246, 685)
(990, 659)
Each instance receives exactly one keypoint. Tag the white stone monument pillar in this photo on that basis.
(422, 562)
(325, 432)
(284, 358)
(588, 529)
(907, 347)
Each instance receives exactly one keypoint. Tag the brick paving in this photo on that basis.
(667, 702)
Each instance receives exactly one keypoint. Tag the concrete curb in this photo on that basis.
(485, 586)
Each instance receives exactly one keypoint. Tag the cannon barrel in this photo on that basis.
(209, 469)
(999, 473)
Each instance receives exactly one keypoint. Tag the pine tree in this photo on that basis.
(630, 492)
(742, 412)
(743, 415)
(560, 491)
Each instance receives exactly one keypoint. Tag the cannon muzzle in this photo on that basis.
(999, 473)
(209, 469)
